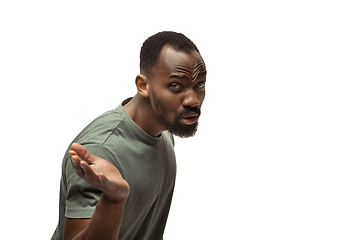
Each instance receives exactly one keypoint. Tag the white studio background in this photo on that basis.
(277, 151)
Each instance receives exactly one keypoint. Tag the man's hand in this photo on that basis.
(99, 173)
(106, 221)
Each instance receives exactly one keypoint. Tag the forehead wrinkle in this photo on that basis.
(194, 72)
(184, 71)
(199, 68)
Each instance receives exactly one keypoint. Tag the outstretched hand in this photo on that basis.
(99, 173)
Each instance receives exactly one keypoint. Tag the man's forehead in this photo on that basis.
(190, 64)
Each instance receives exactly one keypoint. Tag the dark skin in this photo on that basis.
(105, 222)
(177, 81)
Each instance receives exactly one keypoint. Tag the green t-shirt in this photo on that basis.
(147, 163)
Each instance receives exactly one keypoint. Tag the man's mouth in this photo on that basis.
(190, 115)
(190, 118)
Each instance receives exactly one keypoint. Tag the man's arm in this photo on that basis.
(106, 220)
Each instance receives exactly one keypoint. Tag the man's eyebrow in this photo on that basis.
(178, 76)
(181, 73)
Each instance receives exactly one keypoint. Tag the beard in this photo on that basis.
(175, 127)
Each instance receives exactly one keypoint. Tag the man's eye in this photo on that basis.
(200, 85)
(175, 86)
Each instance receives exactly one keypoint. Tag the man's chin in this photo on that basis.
(183, 130)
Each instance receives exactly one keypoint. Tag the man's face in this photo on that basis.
(178, 90)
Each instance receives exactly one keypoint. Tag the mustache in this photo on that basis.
(195, 110)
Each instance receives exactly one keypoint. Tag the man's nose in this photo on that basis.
(191, 99)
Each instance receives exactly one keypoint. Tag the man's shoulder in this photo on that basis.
(109, 119)
(100, 128)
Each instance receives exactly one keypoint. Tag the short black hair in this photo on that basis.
(151, 48)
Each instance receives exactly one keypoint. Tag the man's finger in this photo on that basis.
(82, 152)
(75, 160)
(90, 175)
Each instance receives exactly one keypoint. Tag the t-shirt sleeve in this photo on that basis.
(81, 197)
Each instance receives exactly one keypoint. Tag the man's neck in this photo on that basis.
(140, 111)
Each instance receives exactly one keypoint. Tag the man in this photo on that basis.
(118, 178)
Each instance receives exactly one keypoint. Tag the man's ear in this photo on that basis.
(142, 84)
